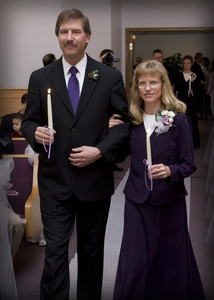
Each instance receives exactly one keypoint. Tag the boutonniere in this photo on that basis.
(164, 119)
(93, 75)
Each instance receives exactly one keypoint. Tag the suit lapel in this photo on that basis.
(88, 86)
(58, 79)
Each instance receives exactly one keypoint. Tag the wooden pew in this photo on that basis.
(28, 208)
(19, 145)
(32, 207)
(10, 100)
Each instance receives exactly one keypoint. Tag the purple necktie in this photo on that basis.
(73, 88)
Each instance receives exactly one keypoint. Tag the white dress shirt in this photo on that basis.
(81, 66)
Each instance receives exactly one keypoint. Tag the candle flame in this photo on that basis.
(49, 91)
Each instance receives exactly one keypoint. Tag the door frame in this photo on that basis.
(130, 32)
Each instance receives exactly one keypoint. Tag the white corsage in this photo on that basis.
(164, 119)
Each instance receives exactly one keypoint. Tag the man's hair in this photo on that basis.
(48, 59)
(24, 99)
(206, 61)
(198, 55)
(139, 59)
(73, 13)
(157, 51)
(105, 51)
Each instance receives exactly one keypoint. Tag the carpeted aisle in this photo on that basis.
(113, 239)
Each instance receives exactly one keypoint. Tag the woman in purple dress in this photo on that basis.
(156, 260)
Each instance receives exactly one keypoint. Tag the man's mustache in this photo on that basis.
(67, 43)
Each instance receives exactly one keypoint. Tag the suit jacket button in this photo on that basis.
(73, 129)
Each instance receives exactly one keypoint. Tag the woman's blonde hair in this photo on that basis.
(168, 99)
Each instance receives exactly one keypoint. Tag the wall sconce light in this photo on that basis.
(130, 46)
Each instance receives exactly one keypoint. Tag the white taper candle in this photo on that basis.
(190, 77)
(148, 147)
(49, 109)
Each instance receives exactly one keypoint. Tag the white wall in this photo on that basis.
(27, 34)
(116, 30)
(27, 28)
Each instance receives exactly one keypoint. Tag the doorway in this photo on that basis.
(142, 42)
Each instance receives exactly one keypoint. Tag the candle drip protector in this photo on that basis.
(148, 165)
(51, 134)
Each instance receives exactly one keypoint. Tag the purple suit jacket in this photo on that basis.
(174, 149)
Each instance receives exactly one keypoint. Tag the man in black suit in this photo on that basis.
(197, 69)
(76, 180)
